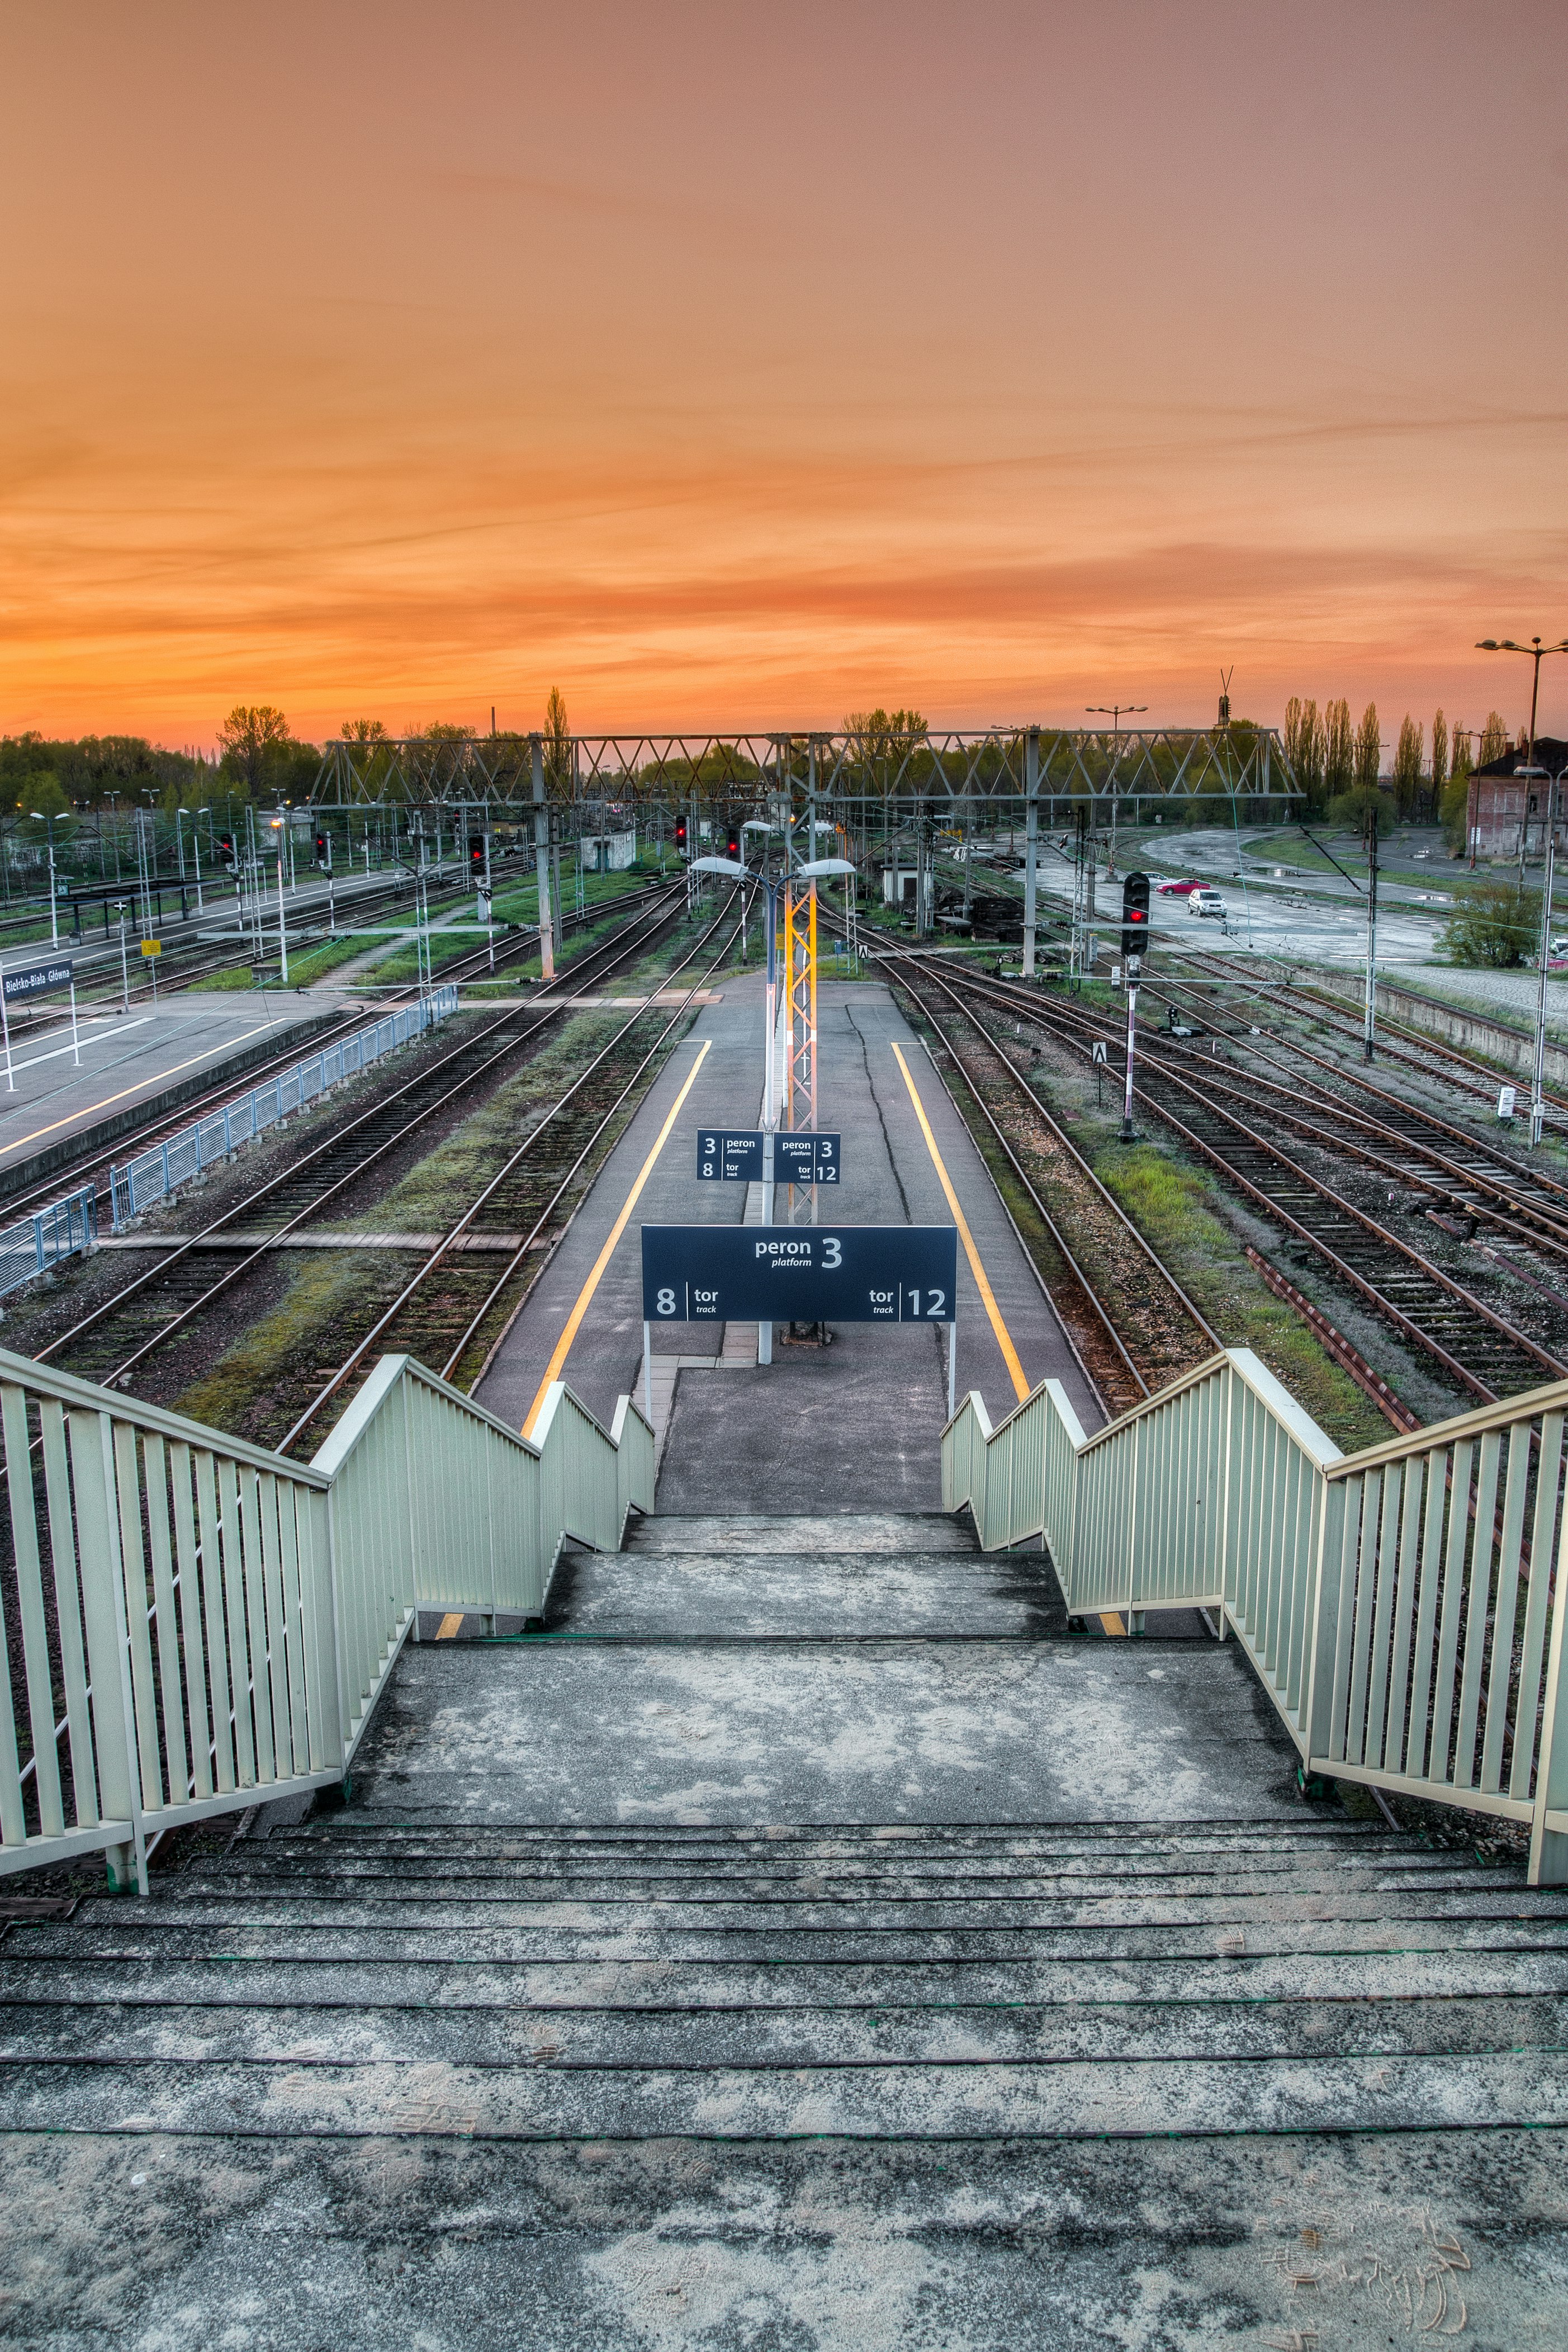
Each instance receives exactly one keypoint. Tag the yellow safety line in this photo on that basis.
(152, 1079)
(1004, 1337)
(585, 1296)
(450, 1627)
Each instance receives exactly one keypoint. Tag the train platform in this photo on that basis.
(852, 1426)
(129, 1062)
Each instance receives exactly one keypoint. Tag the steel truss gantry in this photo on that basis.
(943, 773)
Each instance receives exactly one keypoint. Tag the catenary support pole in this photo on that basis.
(1370, 1035)
(1537, 1082)
(542, 860)
(1031, 844)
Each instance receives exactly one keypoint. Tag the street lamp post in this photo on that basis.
(1536, 653)
(276, 824)
(196, 817)
(1538, 1086)
(54, 902)
(123, 908)
(1114, 712)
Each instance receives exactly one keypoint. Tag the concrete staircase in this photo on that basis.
(455, 2067)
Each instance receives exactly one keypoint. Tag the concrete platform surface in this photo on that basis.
(853, 1427)
(131, 1059)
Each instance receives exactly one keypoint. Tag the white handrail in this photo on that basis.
(200, 1624)
(1401, 1605)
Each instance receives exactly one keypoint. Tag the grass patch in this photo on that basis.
(1170, 1205)
(331, 1299)
(317, 962)
(233, 975)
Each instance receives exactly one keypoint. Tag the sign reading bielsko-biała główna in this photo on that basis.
(780, 1274)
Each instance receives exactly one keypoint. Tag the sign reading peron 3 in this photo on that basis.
(777, 1274)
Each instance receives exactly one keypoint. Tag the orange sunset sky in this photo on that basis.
(730, 365)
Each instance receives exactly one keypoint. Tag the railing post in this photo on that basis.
(1549, 1848)
(1328, 1553)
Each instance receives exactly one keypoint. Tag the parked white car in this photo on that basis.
(1204, 902)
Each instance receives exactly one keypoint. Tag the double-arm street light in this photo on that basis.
(817, 870)
(1537, 653)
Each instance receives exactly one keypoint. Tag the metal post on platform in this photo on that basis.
(1128, 1135)
(648, 1371)
(1031, 844)
(76, 1041)
(5, 1034)
(953, 1362)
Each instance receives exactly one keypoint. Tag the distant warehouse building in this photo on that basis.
(1508, 806)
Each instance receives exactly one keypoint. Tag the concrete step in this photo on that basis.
(1301, 1833)
(922, 1901)
(1347, 1976)
(714, 1595)
(956, 2100)
(399, 1933)
(65, 2031)
(848, 1876)
(610, 1926)
(905, 1531)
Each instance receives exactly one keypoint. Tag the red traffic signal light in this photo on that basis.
(476, 853)
(681, 830)
(732, 841)
(323, 850)
(1135, 915)
(226, 847)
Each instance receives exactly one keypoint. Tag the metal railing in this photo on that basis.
(1402, 1605)
(161, 1170)
(190, 1625)
(65, 1229)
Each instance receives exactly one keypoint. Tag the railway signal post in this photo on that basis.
(1135, 941)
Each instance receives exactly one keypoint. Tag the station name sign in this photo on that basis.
(737, 1156)
(36, 979)
(778, 1273)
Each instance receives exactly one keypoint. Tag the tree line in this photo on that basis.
(1339, 766)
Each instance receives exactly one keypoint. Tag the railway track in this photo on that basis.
(456, 1309)
(116, 1337)
(92, 1167)
(1133, 1325)
(1480, 1350)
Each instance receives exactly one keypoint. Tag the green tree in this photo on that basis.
(1339, 749)
(1495, 928)
(1304, 749)
(558, 741)
(249, 734)
(1368, 751)
(1407, 765)
(1494, 738)
(1439, 758)
(364, 731)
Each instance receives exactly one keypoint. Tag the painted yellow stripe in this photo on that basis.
(585, 1296)
(152, 1078)
(450, 1627)
(982, 1284)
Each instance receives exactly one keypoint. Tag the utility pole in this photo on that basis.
(542, 859)
(1031, 844)
(1538, 1086)
(1371, 935)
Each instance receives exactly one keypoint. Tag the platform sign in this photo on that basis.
(729, 1156)
(151, 947)
(36, 979)
(807, 1159)
(810, 1273)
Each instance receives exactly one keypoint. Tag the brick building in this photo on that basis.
(1507, 804)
